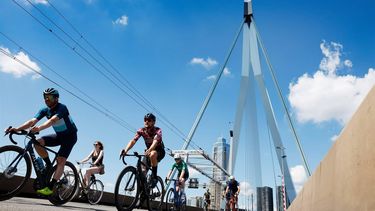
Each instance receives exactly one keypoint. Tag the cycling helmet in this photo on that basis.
(51, 91)
(150, 116)
(231, 177)
(177, 156)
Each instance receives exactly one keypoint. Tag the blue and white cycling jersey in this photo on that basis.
(64, 125)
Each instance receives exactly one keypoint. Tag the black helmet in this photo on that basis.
(150, 116)
(51, 91)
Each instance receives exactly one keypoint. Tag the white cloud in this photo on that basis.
(246, 189)
(334, 138)
(123, 21)
(206, 63)
(298, 177)
(348, 63)
(9, 65)
(227, 72)
(325, 95)
(40, 1)
(211, 77)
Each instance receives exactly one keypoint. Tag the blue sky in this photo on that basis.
(322, 51)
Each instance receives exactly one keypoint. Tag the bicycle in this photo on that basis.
(134, 185)
(15, 170)
(94, 191)
(175, 200)
(231, 202)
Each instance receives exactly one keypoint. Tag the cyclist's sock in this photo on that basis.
(47, 161)
(52, 183)
(154, 172)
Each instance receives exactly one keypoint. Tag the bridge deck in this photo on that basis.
(22, 204)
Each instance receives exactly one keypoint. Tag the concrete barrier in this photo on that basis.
(345, 179)
(107, 199)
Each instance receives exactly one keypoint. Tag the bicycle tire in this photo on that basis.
(169, 200)
(132, 200)
(95, 191)
(157, 195)
(7, 191)
(66, 187)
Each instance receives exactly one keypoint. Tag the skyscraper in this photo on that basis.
(220, 154)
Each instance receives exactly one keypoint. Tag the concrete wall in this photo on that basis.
(345, 179)
(107, 199)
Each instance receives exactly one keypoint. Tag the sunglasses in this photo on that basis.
(148, 120)
(49, 97)
(96, 144)
(177, 159)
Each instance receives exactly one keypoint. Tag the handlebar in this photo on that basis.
(22, 132)
(135, 154)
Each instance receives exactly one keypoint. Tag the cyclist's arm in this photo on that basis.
(99, 157)
(27, 124)
(153, 145)
(238, 191)
(46, 124)
(88, 157)
(130, 145)
(182, 175)
(169, 174)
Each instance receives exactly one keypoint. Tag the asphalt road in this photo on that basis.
(23, 204)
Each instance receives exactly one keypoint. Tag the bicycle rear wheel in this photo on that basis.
(95, 191)
(169, 202)
(15, 170)
(156, 196)
(66, 186)
(127, 189)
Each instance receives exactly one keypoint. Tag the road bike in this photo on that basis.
(175, 200)
(94, 190)
(15, 171)
(231, 202)
(134, 186)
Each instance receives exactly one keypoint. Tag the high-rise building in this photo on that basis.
(220, 154)
(264, 199)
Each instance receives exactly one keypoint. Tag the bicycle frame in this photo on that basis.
(181, 192)
(30, 149)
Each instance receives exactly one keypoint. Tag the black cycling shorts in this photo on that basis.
(66, 143)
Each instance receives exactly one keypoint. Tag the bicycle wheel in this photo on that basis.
(66, 186)
(127, 189)
(95, 191)
(169, 202)
(157, 195)
(15, 170)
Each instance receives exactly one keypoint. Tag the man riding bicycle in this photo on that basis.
(207, 199)
(153, 139)
(183, 172)
(66, 134)
(232, 191)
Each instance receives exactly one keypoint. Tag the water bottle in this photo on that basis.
(40, 164)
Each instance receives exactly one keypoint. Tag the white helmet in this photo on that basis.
(177, 156)
(231, 177)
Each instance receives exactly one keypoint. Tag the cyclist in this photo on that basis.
(97, 156)
(183, 172)
(233, 189)
(153, 139)
(207, 199)
(65, 134)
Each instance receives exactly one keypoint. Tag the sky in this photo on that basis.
(323, 54)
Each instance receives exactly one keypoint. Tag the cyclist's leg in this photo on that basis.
(154, 163)
(90, 171)
(67, 143)
(49, 140)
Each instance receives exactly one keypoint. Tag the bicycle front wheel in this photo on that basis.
(15, 170)
(169, 202)
(95, 191)
(127, 189)
(157, 195)
(66, 186)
